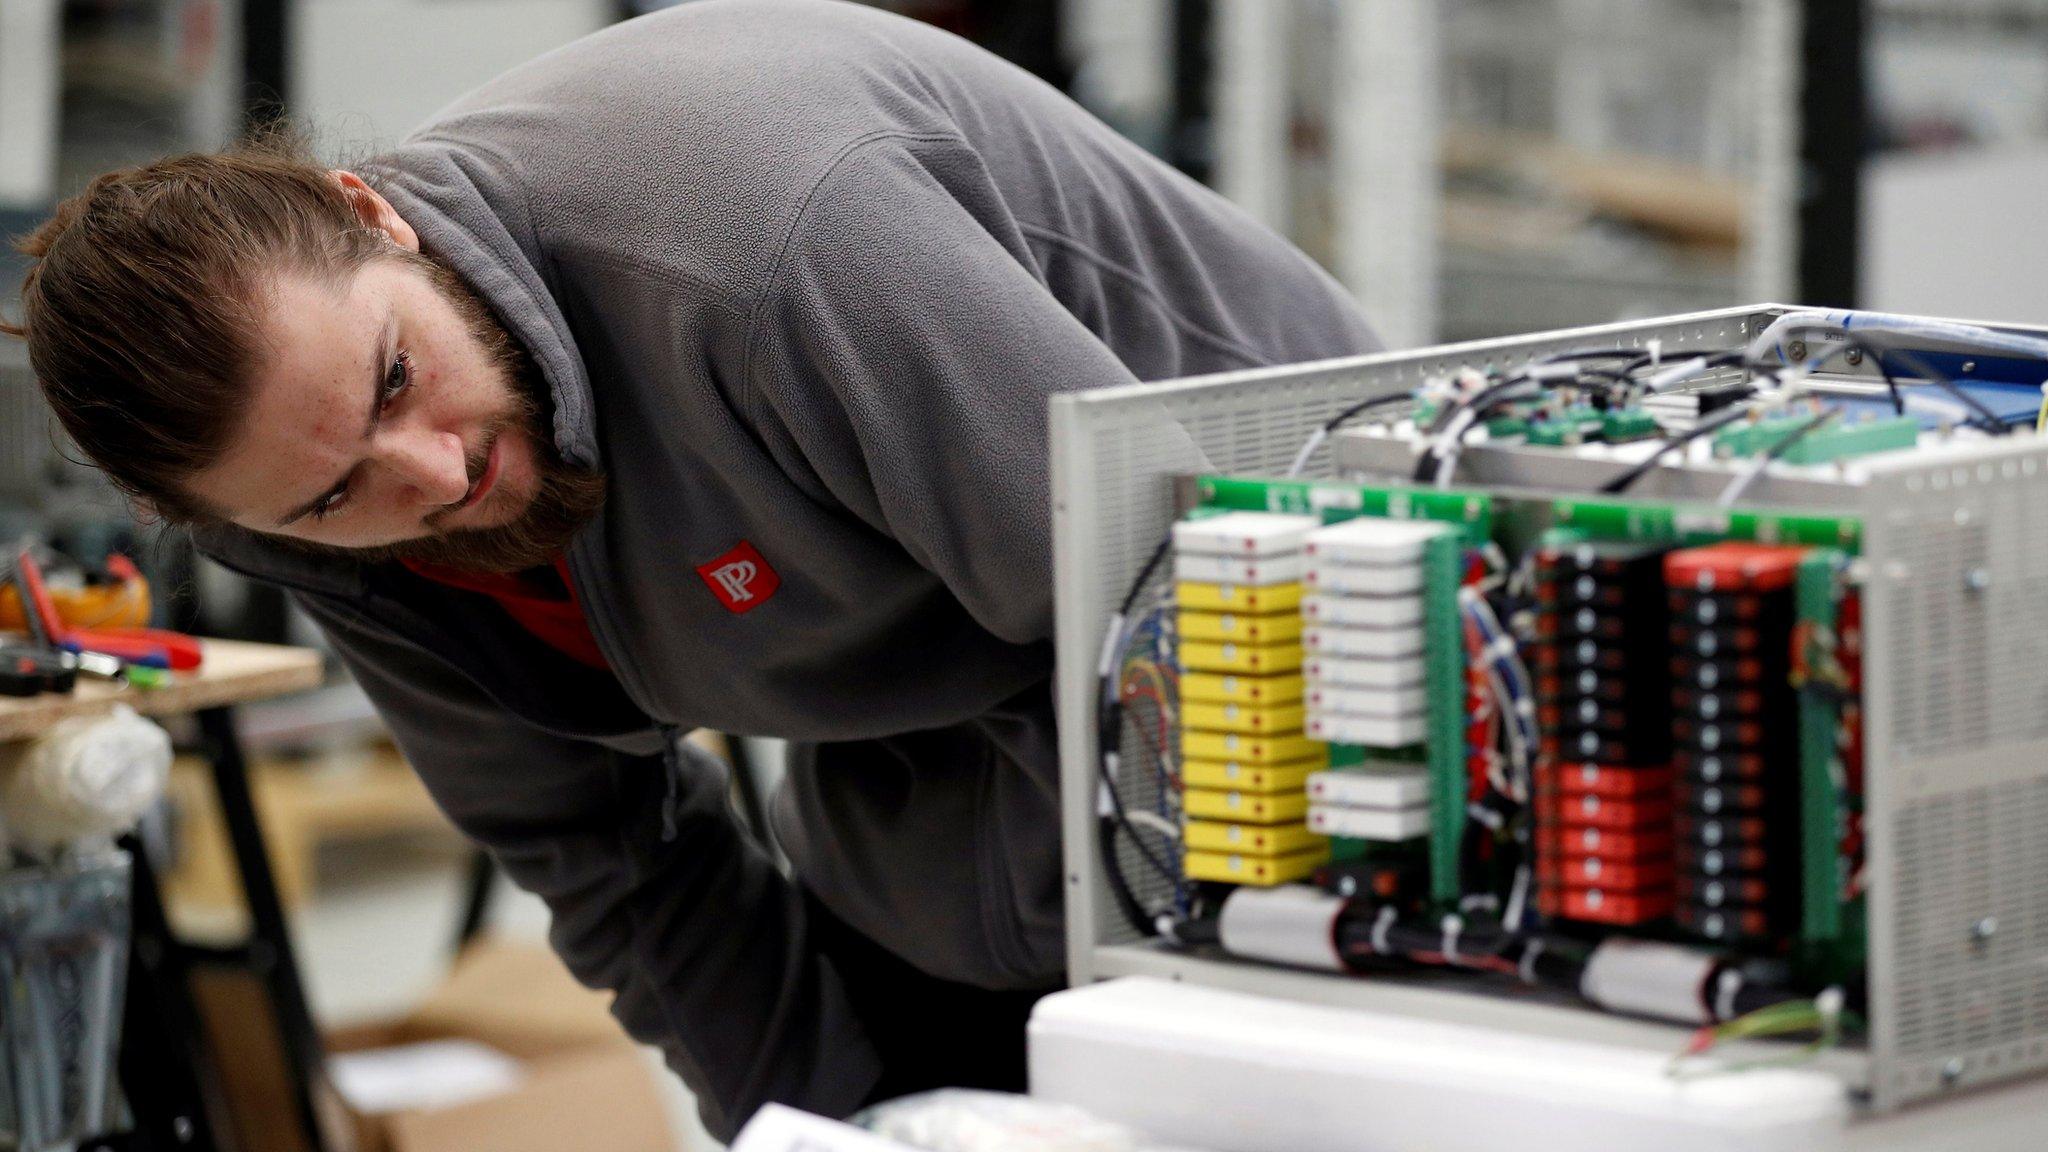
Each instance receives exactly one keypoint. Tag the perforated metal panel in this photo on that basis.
(1114, 454)
(1957, 643)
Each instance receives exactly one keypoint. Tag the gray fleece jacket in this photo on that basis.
(801, 277)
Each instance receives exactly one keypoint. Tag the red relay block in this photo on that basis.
(1733, 566)
(1604, 906)
(1629, 875)
(1611, 782)
(1592, 811)
(1618, 845)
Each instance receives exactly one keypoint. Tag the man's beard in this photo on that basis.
(566, 497)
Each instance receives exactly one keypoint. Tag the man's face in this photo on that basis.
(392, 416)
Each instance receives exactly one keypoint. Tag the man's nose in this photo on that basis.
(431, 466)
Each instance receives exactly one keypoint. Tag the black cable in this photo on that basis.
(1720, 420)
(1891, 382)
(1322, 433)
(1481, 405)
(1595, 354)
(1921, 368)
(1144, 574)
(1988, 419)
(1607, 381)
(1785, 444)
(1198, 930)
(1337, 421)
(1119, 885)
(1635, 356)
(1109, 740)
(1855, 344)
(1112, 741)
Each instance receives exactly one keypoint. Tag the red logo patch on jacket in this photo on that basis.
(740, 579)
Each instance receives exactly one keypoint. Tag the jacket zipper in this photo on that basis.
(586, 593)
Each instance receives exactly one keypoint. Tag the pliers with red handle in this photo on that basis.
(149, 647)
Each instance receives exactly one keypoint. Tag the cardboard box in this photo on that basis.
(584, 1084)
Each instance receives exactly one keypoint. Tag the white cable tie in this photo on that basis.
(1656, 352)
(1725, 988)
(1104, 805)
(1527, 968)
(1315, 440)
(1454, 927)
(1736, 487)
(1518, 900)
(1447, 465)
(1380, 926)
(1829, 1004)
(1676, 374)
(1110, 642)
(1154, 822)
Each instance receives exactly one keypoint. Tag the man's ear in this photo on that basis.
(374, 210)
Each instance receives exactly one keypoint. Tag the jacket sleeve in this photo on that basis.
(705, 945)
(907, 353)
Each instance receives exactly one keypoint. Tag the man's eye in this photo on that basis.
(330, 503)
(398, 378)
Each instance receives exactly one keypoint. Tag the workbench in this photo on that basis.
(233, 672)
(167, 1073)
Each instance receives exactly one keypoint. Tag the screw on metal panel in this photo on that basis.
(1983, 930)
(1969, 365)
(1796, 350)
(1854, 356)
(1952, 1071)
(1976, 579)
(181, 1127)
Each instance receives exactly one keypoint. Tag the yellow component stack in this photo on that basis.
(1244, 760)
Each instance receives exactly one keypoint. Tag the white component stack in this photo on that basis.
(1363, 639)
(1385, 802)
(1256, 549)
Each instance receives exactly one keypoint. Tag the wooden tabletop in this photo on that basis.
(232, 672)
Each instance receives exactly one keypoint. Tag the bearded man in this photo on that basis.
(695, 374)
